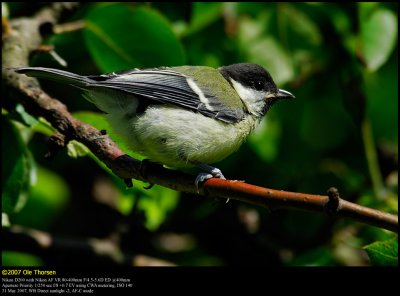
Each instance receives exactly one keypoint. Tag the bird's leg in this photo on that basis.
(215, 172)
(210, 172)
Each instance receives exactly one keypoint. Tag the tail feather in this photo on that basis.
(55, 75)
(107, 99)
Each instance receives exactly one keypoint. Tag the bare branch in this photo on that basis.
(26, 38)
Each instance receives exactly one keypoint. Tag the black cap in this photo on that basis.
(250, 75)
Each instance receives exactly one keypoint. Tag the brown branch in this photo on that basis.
(48, 246)
(26, 38)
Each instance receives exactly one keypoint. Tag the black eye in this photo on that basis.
(258, 85)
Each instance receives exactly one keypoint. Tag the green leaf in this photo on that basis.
(95, 119)
(252, 9)
(156, 203)
(12, 258)
(48, 197)
(254, 43)
(22, 116)
(316, 257)
(4, 10)
(381, 89)
(44, 127)
(120, 36)
(265, 139)
(28, 119)
(378, 35)
(304, 29)
(203, 14)
(383, 253)
(76, 149)
(16, 168)
(5, 221)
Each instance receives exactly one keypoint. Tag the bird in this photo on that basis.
(183, 116)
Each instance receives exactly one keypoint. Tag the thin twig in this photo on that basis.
(26, 38)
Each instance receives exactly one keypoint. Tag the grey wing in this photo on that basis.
(169, 87)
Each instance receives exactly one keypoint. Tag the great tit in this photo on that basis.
(179, 116)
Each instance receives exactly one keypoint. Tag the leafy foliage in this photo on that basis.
(384, 253)
(378, 34)
(340, 61)
(107, 27)
(17, 166)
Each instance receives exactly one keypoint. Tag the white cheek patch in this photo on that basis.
(200, 93)
(253, 99)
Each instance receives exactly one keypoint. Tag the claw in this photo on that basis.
(213, 173)
(200, 179)
(216, 173)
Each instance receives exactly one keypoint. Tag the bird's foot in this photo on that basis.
(212, 172)
(202, 177)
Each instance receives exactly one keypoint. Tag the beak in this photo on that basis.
(283, 94)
